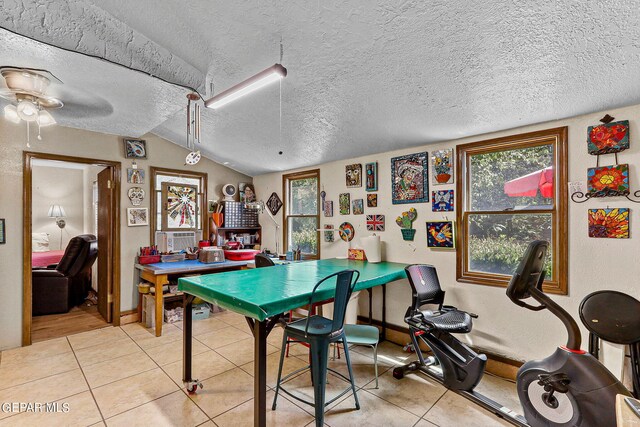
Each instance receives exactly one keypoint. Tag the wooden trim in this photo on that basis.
(204, 184)
(556, 136)
(27, 173)
(313, 173)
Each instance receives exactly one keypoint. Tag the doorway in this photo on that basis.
(71, 277)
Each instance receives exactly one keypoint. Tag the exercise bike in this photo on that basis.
(568, 388)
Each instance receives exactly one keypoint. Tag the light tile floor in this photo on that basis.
(125, 376)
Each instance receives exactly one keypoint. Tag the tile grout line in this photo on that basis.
(432, 406)
(87, 382)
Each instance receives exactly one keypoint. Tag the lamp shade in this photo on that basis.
(56, 211)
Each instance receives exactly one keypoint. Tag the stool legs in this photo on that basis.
(282, 354)
(348, 360)
(319, 356)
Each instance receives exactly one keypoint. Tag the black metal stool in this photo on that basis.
(615, 317)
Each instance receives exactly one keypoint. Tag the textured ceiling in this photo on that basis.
(364, 77)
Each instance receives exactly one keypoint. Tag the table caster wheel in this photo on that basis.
(192, 387)
(398, 373)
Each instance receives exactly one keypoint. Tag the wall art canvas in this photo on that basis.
(344, 200)
(328, 208)
(181, 201)
(371, 176)
(135, 176)
(353, 174)
(608, 138)
(609, 223)
(372, 200)
(211, 206)
(358, 207)
(442, 166)
(346, 231)
(375, 222)
(135, 148)
(329, 235)
(409, 179)
(247, 192)
(274, 203)
(442, 201)
(608, 180)
(440, 234)
(137, 217)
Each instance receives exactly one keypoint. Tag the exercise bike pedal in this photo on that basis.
(555, 382)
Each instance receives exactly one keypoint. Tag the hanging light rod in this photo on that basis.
(263, 78)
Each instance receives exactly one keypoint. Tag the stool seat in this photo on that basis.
(612, 316)
(361, 334)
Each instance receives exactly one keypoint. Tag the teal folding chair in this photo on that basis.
(319, 332)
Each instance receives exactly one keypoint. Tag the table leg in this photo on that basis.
(159, 307)
(370, 292)
(260, 374)
(384, 312)
(187, 328)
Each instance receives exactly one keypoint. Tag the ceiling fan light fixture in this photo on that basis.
(27, 110)
(45, 118)
(265, 77)
(11, 114)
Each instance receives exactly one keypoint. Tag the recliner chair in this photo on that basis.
(58, 288)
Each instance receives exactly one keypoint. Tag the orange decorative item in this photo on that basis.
(356, 255)
(218, 218)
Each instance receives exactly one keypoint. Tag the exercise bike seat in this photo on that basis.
(453, 321)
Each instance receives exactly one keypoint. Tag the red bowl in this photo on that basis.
(240, 254)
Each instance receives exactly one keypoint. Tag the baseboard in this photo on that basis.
(497, 364)
(129, 316)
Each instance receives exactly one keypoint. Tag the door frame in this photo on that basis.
(27, 295)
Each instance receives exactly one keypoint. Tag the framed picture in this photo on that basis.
(328, 208)
(3, 233)
(358, 206)
(344, 200)
(371, 176)
(247, 192)
(353, 173)
(179, 207)
(211, 206)
(329, 235)
(609, 223)
(440, 234)
(409, 179)
(274, 203)
(135, 148)
(135, 176)
(442, 166)
(372, 200)
(606, 181)
(375, 222)
(442, 201)
(608, 138)
(137, 217)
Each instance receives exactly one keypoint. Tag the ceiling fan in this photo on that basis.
(26, 90)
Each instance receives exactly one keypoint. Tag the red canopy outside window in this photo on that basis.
(528, 185)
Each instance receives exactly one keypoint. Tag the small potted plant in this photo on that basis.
(405, 221)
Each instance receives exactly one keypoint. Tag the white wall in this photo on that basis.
(502, 327)
(74, 142)
(58, 186)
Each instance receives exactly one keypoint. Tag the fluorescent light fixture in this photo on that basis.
(262, 79)
(11, 114)
(45, 118)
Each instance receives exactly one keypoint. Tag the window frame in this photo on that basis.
(558, 284)
(202, 176)
(286, 178)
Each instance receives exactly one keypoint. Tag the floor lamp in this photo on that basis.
(261, 207)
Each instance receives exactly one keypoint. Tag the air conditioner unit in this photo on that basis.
(175, 241)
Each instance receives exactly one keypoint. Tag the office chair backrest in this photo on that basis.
(262, 260)
(425, 284)
(344, 285)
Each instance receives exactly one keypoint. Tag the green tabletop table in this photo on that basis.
(262, 295)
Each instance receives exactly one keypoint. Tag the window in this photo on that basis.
(302, 218)
(512, 191)
(178, 201)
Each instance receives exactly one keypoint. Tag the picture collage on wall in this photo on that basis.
(136, 149)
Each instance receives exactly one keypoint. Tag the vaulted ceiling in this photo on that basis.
(363, 76)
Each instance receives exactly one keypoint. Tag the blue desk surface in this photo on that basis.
(188, 266)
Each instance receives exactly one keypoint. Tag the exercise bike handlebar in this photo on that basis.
(527, 282)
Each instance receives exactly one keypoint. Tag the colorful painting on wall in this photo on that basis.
(609, 223)
(440, 234)
(344, 200)
(442, 166)
(329, 235)
(409, 179)
(375, 222)
(181, 206)
(135, 176)
(274, 203)
(328, 208)
(608, 180)
(358, 207)
(371, 170)
(353, 174)
(405, 221)
(247, 193)
(608, 138)
(137, 217)
(442, 201)
(372, 200)
(346, 231)
(135, 148)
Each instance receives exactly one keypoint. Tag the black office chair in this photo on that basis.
(262, 260)
(319, 332)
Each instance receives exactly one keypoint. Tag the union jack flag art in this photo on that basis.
(375, 222)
